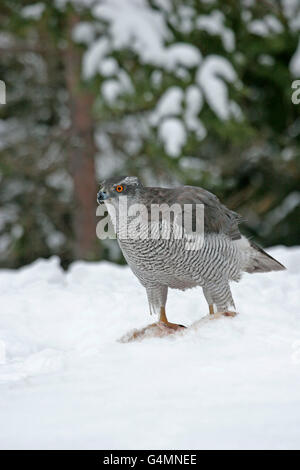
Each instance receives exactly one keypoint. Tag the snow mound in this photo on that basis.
(67, 382)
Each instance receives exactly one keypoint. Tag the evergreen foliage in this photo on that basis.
(184, 92)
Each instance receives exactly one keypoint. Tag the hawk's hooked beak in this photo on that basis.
(101, 196)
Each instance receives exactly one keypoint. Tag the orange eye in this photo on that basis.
(119, 188)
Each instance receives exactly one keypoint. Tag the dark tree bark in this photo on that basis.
(82, 149)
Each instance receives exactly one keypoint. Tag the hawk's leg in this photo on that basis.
(157, 297)
(211, 309)
(220, 295)
(228, 313)
(163, 319)
(209, 300)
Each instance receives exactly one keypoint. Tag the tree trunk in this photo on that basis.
(82, 149)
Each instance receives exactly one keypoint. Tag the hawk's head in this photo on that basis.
(112, 188)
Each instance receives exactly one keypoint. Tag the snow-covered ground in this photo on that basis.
(66, 382)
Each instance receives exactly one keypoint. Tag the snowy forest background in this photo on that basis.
(174, 91)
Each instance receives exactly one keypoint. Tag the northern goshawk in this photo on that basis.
(161, 262)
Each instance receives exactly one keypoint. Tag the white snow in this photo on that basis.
(173, 135)
(295, 62)
(83, 32)
(134, 24)
(194, 103)
(108, 67)
(181, 54)
(268, 25)
(147, 32)
(171, 129)
(93, 57)
(291, 9)
(274, 24)
(214, 24)
(169, 104)
(144, 30)
(66, 382)
(258, 27)
(210, 76)
(183, 19)
(266, 59)
(33, 11)
(110, 90)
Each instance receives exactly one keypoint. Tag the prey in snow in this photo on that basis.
(161, 263)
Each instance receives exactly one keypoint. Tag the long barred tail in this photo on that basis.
(261, 262)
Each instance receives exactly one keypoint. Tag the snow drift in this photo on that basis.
(66, 382)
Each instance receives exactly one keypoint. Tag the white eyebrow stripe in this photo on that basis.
(130, 180)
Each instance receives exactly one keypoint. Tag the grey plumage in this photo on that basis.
(160, 264)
